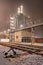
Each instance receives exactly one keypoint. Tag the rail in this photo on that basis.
(28, 48)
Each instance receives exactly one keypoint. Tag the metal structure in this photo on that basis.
(12, 28)
(20, 22)
(24, 47)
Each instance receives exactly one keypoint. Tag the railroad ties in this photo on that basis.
(31, 49)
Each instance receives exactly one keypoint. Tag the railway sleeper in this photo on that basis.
(39, 53)
(31, 51)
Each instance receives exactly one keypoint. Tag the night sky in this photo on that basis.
(32, 8)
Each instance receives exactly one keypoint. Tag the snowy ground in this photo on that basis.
(26, 59)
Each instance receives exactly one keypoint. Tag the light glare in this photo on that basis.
(12, 18)
(12, 21)
(21, 26)
(21, 7)
(18, 10)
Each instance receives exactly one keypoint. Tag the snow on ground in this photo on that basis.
(26, 60)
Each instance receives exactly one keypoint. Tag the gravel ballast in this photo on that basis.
(28, 59)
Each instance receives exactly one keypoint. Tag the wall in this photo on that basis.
(38, 34)
(23, 34)
(39, 40)
(26, 33)
(18, 36)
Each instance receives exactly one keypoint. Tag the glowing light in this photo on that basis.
(18, 10)
(21, 9)
(4, 40)
(11, 24)
(5, 31)
(12, 21)
(12, 18)
(21, 26)
(8, 30)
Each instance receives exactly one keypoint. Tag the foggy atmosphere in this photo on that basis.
(21, 32)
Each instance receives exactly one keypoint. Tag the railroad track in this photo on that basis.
(28, 48)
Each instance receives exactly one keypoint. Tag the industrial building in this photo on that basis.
(21, 32)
